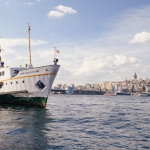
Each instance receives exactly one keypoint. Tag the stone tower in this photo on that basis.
(135, 76)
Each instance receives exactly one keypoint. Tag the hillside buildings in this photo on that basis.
(133, 85)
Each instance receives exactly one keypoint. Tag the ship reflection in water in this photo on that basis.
(23, 127)
(77, 122)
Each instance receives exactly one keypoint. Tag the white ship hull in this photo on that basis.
(29, 86)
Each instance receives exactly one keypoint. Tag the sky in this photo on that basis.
(98, 40)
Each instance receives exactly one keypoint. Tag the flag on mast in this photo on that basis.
(56, 51)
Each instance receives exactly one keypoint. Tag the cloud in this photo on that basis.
(65, 9)
(22, 58)
(29, 3)
(56, 14)
(45, 54)
(8, 2)
(119, 60)
(19, 3)
(14, 48)
(93, 65)
(25, 59)
(143, 37)
(20, 41)
(62, 11)
(8, 52)
(107, 55)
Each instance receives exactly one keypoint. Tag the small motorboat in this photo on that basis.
(143, 94)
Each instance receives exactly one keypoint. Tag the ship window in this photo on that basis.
(6, 83)
(22, 81)
(1, 84)
(17, 82)
(47, 69)
(16, 71)
(2, 73)
(11, 82)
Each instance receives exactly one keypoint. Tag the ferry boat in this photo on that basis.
(26, 85)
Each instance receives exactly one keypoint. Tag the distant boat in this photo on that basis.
(123, 93)
(110, 94)
(143, 95)
(69, 90)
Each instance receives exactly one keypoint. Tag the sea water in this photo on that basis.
(71, 122)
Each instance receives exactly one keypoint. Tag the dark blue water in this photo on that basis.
(78, 122)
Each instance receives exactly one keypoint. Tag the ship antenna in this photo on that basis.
(29, 43)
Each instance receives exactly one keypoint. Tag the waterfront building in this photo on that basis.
(108, 86)
(126, 86)
(147, 87)
(79, 87)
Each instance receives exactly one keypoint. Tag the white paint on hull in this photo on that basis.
(26, 80)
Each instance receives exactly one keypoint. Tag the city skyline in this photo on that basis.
(98, 41)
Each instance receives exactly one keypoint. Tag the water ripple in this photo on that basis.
(78, 122)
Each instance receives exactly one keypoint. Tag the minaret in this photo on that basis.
(135, 76)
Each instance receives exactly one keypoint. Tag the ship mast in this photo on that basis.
(29, 44)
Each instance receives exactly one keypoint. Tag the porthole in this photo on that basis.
(17, 82)
(47, 69)
(11, 82)
(6, 83)
(22, 81)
